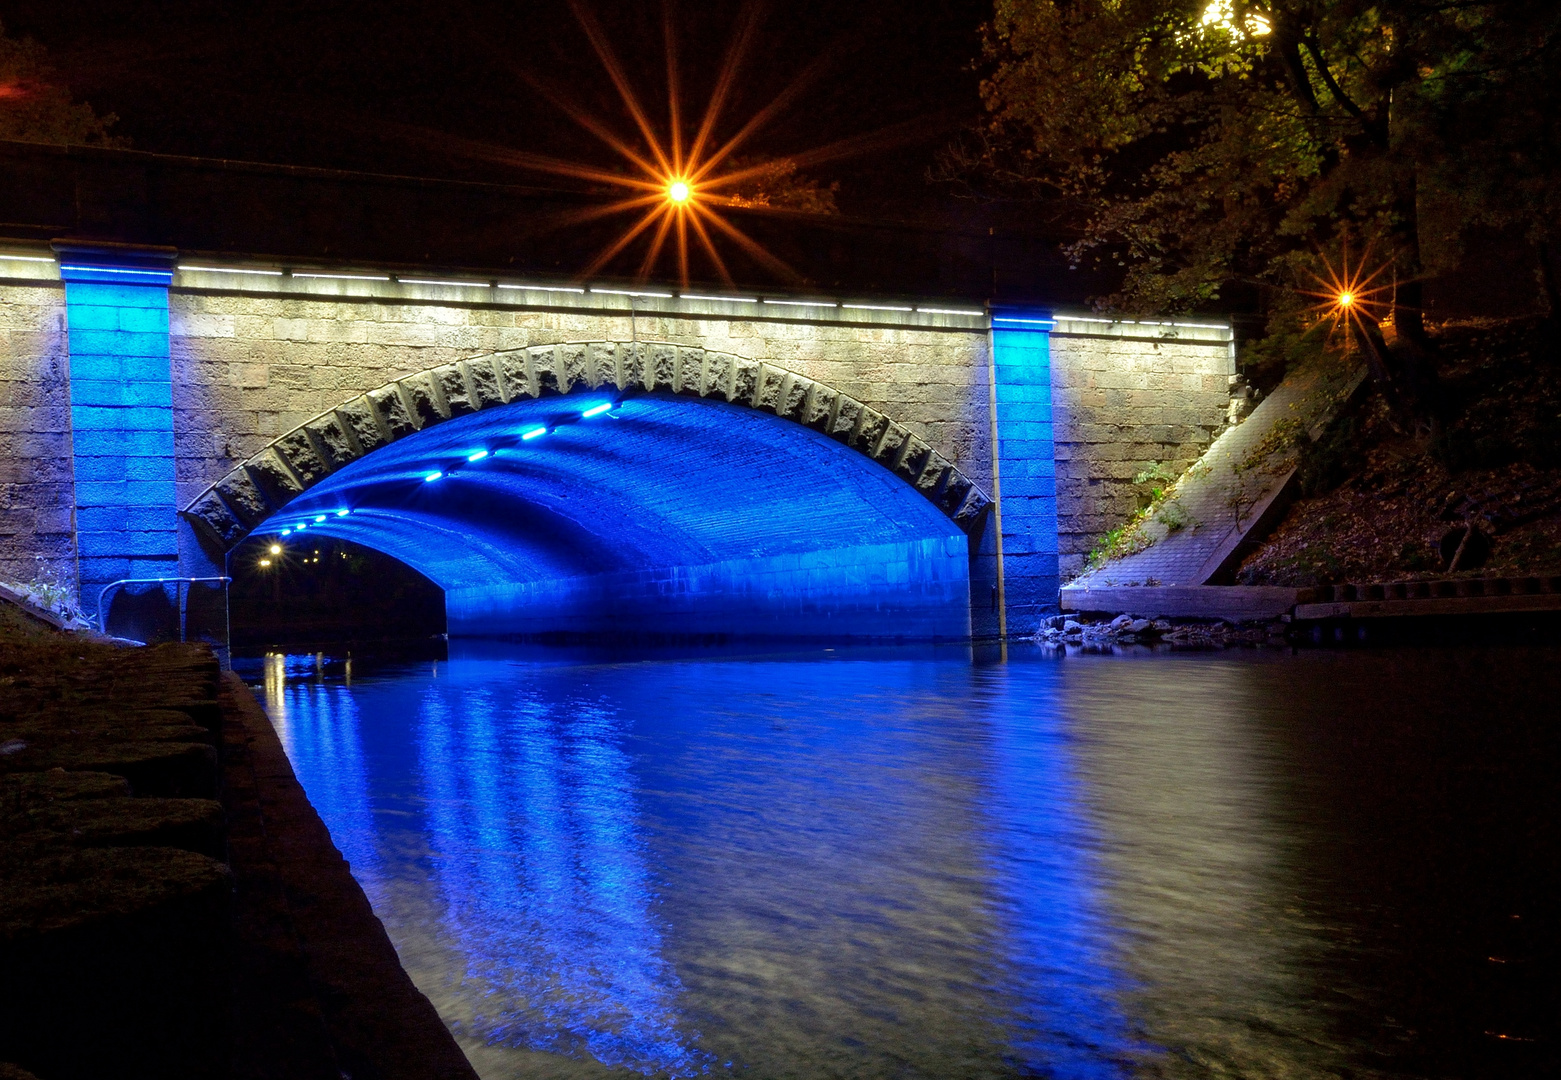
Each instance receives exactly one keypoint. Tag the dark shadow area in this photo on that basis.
(143, 612)
(328, 591)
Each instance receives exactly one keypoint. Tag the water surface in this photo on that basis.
(908, 863)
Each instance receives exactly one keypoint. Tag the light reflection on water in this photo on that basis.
(901, 864)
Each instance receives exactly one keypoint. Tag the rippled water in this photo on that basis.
(909, 864)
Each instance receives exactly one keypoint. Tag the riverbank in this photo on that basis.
(164, 880)
(1380, 502)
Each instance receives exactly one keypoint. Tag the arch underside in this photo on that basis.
(717, 496)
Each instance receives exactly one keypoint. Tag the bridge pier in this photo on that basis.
(1024, 481)
(121, 409)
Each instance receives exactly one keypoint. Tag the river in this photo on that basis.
(925, 863)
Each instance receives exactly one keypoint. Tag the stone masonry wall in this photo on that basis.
(251, 361)
(1122, 402)
(252, 367)
(36, 499)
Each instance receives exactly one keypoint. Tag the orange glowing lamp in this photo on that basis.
(679, 192)
(1346, 299)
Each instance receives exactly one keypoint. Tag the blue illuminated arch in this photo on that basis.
(628, 487)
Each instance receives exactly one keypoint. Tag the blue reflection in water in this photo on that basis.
(531, 803)
(1049, 885)
(786, 866)
(318, 723)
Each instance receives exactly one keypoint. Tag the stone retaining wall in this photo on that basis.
(36, 496)
(1125, 397)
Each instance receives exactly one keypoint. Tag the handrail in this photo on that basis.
(102, 612)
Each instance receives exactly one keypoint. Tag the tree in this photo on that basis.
(1217, 141)
(35, 107)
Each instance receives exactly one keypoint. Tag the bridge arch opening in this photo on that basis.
(613, 509)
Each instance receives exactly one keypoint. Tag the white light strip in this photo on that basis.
(116, 270)
(950, 311)
(231, 270)
(719, 299)
(25, 258)
(1143, 322)
(874, 307)
(631, 292)
(461, 284)
(543, 288)
(1028, 322)
(344, 277)
(802, 303)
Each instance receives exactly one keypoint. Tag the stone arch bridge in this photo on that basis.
(602, 458)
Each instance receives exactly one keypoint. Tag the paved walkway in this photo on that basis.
(1227, 493)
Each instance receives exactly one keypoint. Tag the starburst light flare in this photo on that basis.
(1348, 297)
(676, 182)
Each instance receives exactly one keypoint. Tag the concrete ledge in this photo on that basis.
(1441, 605)
(1236, 603)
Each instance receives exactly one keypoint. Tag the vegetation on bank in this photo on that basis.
(1158, 515)
(1382, 499)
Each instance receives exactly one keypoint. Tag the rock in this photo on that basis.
(1139, 626)
(1072, 627)
(1121, 622)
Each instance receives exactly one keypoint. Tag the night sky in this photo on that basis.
(409, 88)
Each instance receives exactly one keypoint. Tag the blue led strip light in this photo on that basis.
(121, 423)
(1021, 353)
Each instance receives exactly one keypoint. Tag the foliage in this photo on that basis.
(1159, 506)
(1208, 142)
(776, 185)
(1157, 477)
(35, 107)
(51, 596)
(1126, 539)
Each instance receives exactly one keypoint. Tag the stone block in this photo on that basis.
(574, 371)
(359, 417)
(601, 364)
(842, 423)
(660, 367)
(768, 393)
(274, 479)
(516, 373)
(720, 368)
(305, 461)
(635, 367)
(690, 371)
(818, 406)
(932, 475)
(391, 411)
(423, 399)
(483, 378)
(450, 382)
(212, 514)
(793, 396)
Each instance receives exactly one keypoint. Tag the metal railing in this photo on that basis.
(181, 600)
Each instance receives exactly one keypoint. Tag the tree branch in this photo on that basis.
(1337, 91)
(1290, 49)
